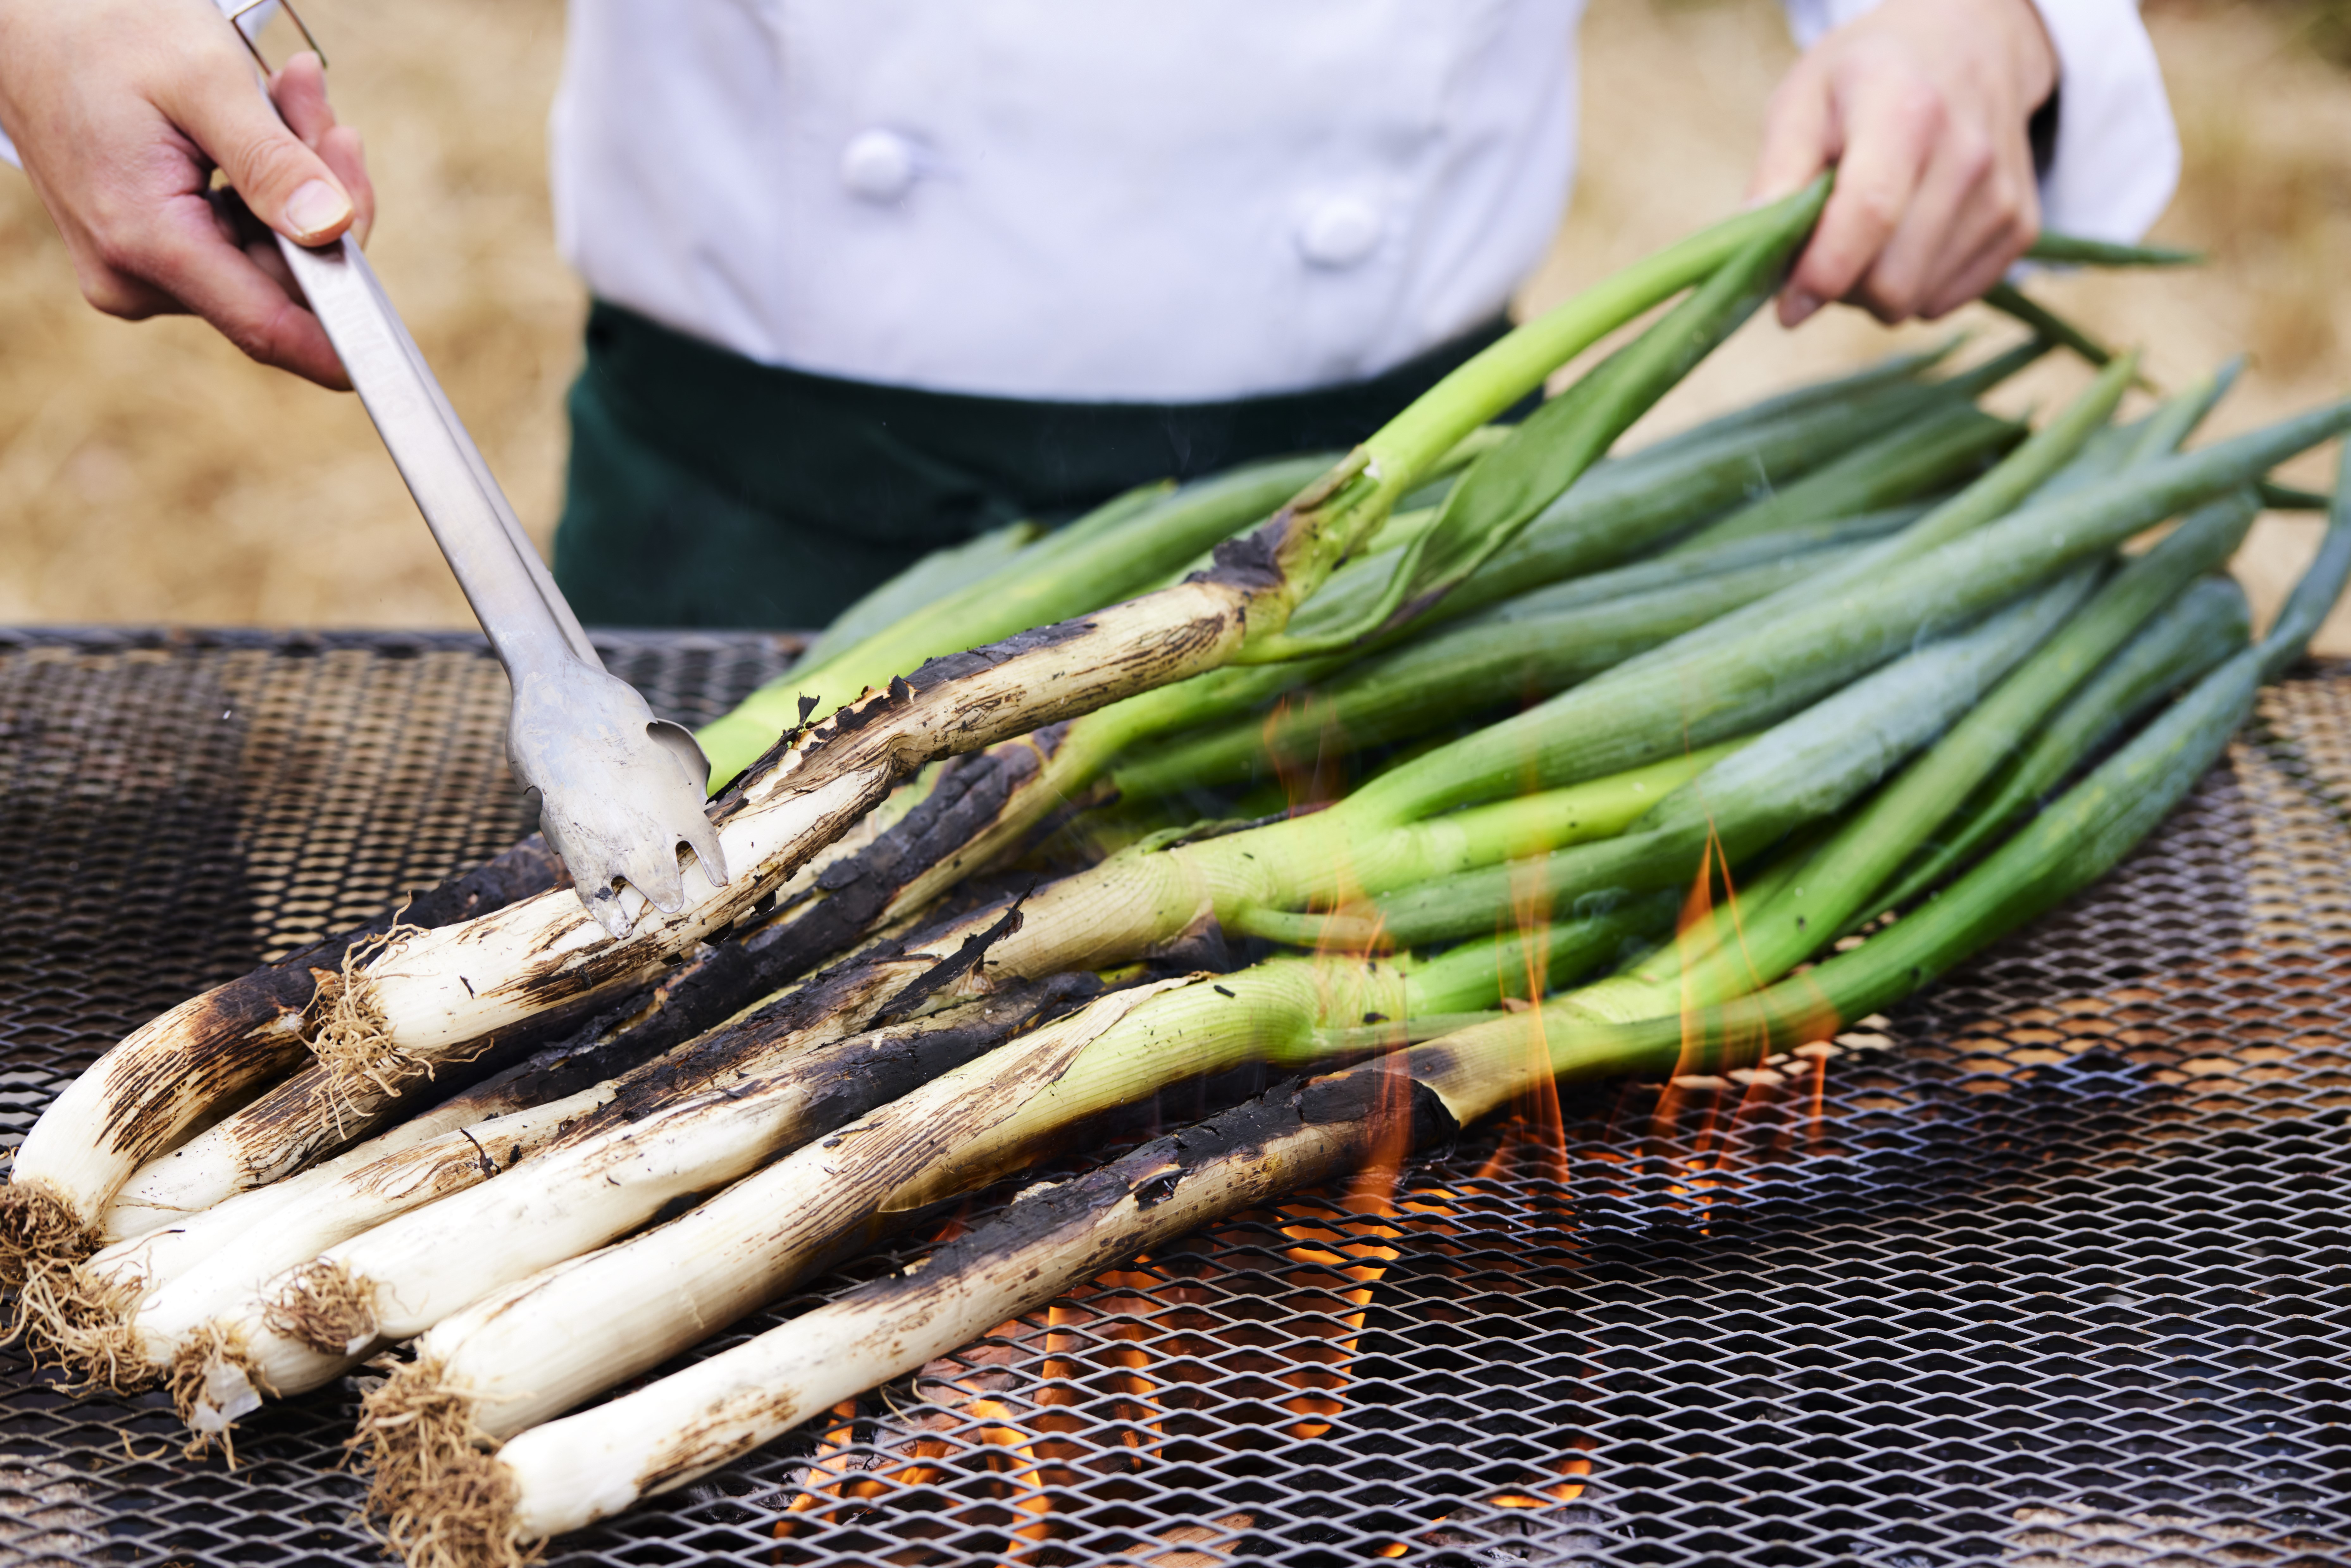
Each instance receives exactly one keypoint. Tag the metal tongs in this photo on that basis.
(621, 793)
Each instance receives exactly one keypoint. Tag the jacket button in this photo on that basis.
(1340, 231)
(878, 165)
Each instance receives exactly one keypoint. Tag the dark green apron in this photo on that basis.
(706, 489)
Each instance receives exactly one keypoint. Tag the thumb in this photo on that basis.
(282, 181)
(1799, 135)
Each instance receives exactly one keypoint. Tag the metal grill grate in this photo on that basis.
(2049, 1269)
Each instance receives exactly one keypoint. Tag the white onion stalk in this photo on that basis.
(174, 1203)
(529, 1351)
(448, 1236)
(633, 1305)
(79, 1313)
(258, 1236)
(114, 1325)
(83, 1313)
(269, 1140)
(159, 1240)
(179, 1068)
(474, 1509)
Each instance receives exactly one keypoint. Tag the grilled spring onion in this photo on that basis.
(383, 1267)
(224, 1331)
(988, 804)
(426, 995)
(1122, 548)
(136, 1102)
(623, 1159)
(84, 1312)
(1923, 692)
(376, 1265)
(531, 1351)
(404, 1277)
(566, 1473)
(1774, 439)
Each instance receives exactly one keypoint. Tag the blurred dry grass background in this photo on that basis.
(149, 474)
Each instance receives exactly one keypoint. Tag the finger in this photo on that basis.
(1996, 228)
(300, 92)
(254, 237)
(1947, 221)
(1798, 127)
(1968, 281)
(215, 279)
(1889, 122)
(287, 186)
(2009, 242)
(121, 294)
(341, 148)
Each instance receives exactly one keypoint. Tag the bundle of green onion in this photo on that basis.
(1860, 648)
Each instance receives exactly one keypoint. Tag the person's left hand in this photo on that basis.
(1923, 106)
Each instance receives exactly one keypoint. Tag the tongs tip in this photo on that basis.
(622, 796)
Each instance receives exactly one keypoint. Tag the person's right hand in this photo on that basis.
(123, 108)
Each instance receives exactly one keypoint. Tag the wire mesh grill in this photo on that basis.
(2050, 1268)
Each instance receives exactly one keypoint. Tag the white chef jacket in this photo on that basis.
(1134, 199)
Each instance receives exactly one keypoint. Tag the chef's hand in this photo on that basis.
(123, 108)
(1923, 106)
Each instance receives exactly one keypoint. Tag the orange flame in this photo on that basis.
(1308, 783)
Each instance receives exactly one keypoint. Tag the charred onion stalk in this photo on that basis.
(249, 1029)
(480, 1507)
(134, 1311)
(1121, 911)
(427, 996)
(401, 1278)
(176, 1070)
(649, 1297)
(169, 1212)
(1119, 549)
(314, 1111)
(229, 1334)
